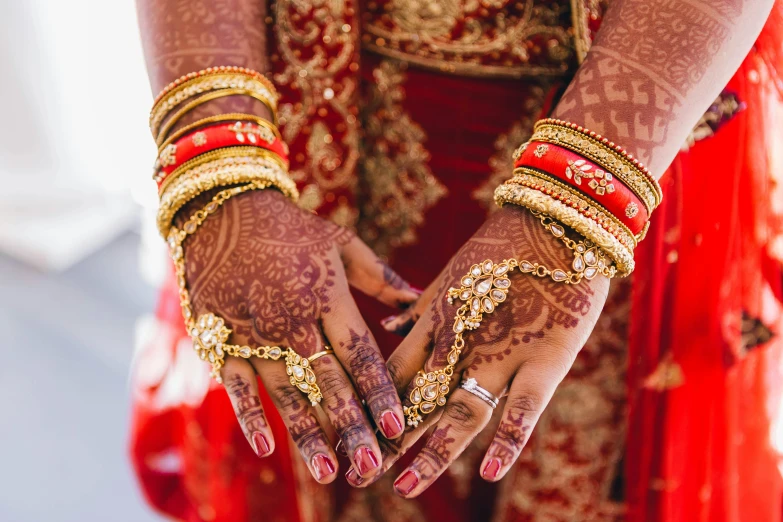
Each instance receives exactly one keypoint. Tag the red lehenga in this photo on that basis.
(401, 119)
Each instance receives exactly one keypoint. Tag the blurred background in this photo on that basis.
(79, 261)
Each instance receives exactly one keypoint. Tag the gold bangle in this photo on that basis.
(231, 116)
(642, 185)
(538, 201)
(200, 101)
(168, 101)
(222, 172)
(209, 332)
(542, 181)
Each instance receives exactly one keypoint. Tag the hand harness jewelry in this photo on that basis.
(481, 290)
(210, 333)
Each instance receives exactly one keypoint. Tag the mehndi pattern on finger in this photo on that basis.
(482, 290)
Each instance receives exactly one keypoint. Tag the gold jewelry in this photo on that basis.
(222, 172)
(225, 152)
(320, 354)
(171, 97)
(209, 332)
(644, 186)
(232, 116)
(159, 134)
(570, 196)
(482, 289)
(568, 213)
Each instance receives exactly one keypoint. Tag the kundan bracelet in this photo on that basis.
(218, 118)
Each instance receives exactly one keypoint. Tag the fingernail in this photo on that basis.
(491, 469)
(387, 320)
(419, 291)
(407, 481)
(390, 424)
(260, 445)
(353, 478)
(340, 448)
(322, 466)
(365, 460)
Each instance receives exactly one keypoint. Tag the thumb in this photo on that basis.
(370, 275)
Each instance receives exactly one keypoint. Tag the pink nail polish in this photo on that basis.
(353, 478)
(322, 466)
(387, 320)
(406, 482)
(390, 424)
(365, 460)
(260, 445)
(417, 290)
(491, 469)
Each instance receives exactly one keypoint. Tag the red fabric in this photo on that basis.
(557, 160)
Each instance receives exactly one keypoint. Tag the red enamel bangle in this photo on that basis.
(590, 179)
(215, 137)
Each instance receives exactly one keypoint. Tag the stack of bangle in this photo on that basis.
(218, 151)
(585, 181)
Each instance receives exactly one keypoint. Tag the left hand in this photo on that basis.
(523, 349)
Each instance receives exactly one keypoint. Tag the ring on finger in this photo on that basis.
(470, 385)
(317, 355)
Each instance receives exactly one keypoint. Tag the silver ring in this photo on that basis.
(471, 385)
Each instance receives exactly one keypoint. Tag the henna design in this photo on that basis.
(510, 438)
(347, 419)
(368, 370)
(247, 405)
(435, 456)
(306, 432)
(651, 72)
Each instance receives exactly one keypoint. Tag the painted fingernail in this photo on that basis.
(419, 291)
(260, 445)
(365, 460)
(322, 466)
(353, 478)
(340, 448)
(407, 481)
(390, 424)
(387, 320)
(491, 469)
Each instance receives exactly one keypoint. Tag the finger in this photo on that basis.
(355, 347)
(530, 392)
(346, 413)
(367, 273)
(401, 324)
(464, 416)
(301, 420)
(241, 383)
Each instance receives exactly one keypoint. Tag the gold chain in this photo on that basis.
(209, 332)
(482, 289)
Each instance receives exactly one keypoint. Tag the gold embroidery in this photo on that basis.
(494, 38)
(632, 210)
(395, 172)
(541, 151)
(667, 375)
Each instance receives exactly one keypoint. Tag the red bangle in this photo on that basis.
(215, 137)
(590, 179)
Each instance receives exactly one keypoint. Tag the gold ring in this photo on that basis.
(315, 356)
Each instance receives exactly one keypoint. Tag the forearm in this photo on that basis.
(184, 36)
(656, 66)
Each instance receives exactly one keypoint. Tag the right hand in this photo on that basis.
(279, 275)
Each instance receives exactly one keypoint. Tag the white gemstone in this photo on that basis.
(487, 266)
(202, 322)
(488, 305)
(444, 389)
(500, 269)
(298, 372)
(275, 352)
(452, 358)
(475, 270)
(526, 266)
(502, 283)
(590, 257)
(459, 326)
(557, 230)
(252, 138)
(245, 351)
(465, 295)
(328, 93)
(475, 304)
(310, 377)
(219, 349)
(305, 363)
(416, 396)
(194, 333)
(303, 386)
(203, 354)
(482, 286)
(206, 337)
(420, 381)
(441, 378)
(441, 400)
(578, 264)
(211, 357)
(467, 281)
(559, 275)
(431, 377)
(430, 392)
(427, 407)
(591, 272)
(211, 321)
(498, 295)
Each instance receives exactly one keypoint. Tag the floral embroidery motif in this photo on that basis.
(599, 178)
(632, 210)
(492, 38)
(252, 132)
(168, 156)
(199, 139)
(541, 150)
(395, 172)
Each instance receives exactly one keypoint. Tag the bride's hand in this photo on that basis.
(280, 276)
(523, 349)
